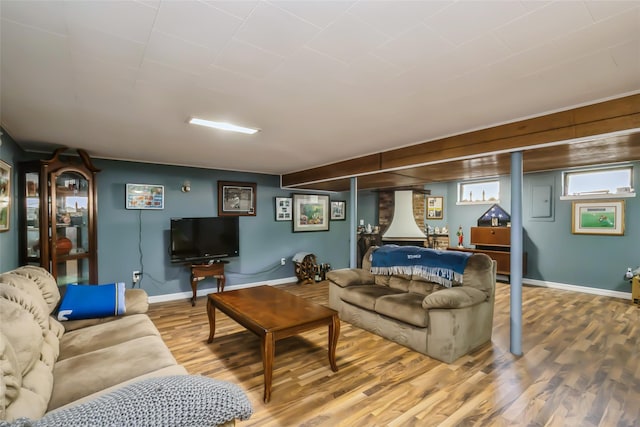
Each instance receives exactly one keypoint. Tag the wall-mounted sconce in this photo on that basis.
(186, 186)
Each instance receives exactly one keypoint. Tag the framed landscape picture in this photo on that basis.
(310, 212)
(236, 198)
(338, 210)
(5, 196)
(602, 217)
(283, 208)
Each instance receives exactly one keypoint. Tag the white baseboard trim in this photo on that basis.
(206, 291)
(577, 288)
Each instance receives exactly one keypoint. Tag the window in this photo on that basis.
(594, 182)
(479, 192)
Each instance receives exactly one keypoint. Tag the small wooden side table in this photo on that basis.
(202, 271)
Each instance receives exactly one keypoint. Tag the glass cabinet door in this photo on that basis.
(32, 223)
(70, 243)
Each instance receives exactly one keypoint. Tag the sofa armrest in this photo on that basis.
(350, 277)
(458, 297)
(136, 301)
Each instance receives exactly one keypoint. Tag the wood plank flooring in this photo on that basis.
(580, 368)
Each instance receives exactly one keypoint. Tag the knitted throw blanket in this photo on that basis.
(442, 267)
(180, 400)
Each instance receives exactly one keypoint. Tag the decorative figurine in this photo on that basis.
(460, 235)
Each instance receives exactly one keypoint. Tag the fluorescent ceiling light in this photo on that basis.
(223, 126)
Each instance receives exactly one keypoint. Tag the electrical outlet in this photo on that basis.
(282, 261)
(136, 277)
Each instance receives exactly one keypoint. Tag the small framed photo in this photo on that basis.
(284, 207)
(435, 207)
(5, 196)
(236, 198)
(144, 196)
(310, 212)
(602, 217)
(338, 210)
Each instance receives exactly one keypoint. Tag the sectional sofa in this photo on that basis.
(52, 371)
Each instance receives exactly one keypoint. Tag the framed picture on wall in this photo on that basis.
(5, 196)
(338, 210)
(283, 208)
(606, 217)
(435, 207)
(144, 196)
(310, 212)
(236, 198)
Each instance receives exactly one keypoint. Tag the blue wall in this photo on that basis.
(554, 253)
(10, 153)
(263, 241)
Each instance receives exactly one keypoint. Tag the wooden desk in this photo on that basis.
(202, 271)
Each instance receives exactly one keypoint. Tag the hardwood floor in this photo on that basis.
(580, 368)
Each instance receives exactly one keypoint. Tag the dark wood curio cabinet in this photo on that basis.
(58, 214)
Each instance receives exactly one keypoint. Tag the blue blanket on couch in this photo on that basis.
(442, 267)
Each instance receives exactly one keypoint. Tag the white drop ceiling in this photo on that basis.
(323, 80)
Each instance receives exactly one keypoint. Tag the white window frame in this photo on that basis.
(565, 183)
(478, 202)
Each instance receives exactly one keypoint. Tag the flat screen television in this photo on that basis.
(204, 239)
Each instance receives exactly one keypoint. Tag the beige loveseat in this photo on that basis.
(443, 323)
(47, 365)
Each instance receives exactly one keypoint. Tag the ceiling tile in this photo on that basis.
(413, 47)
(479, 52)
(465, 20)
(545, 24)
(129, 20)
(348, 38)
(48, 17)
(395, 17)
(275, 30)
(223, 80)
(87, 42)
(601, 35)
(604, 9)
(247, 59)
(320, 13)
(177, 53)
(240, 9)
(197, 23)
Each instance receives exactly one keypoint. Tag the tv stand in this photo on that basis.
(214, 268)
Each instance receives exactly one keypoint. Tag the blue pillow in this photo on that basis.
(90, 301)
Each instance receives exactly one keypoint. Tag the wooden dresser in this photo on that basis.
(495, 242)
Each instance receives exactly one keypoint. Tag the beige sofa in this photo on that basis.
(443, 323)
(47, 365)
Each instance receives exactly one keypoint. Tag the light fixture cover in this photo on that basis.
(223, 126)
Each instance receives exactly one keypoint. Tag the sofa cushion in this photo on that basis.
(350, 277)
(44, 280)
(459, 297)
(28, 286)
(405, 307)
(365, 296)
(88, 373)
(106, 335)
(423, 288)
(398, 282)
(23, 325)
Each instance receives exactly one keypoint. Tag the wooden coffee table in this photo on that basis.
(273, 314)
